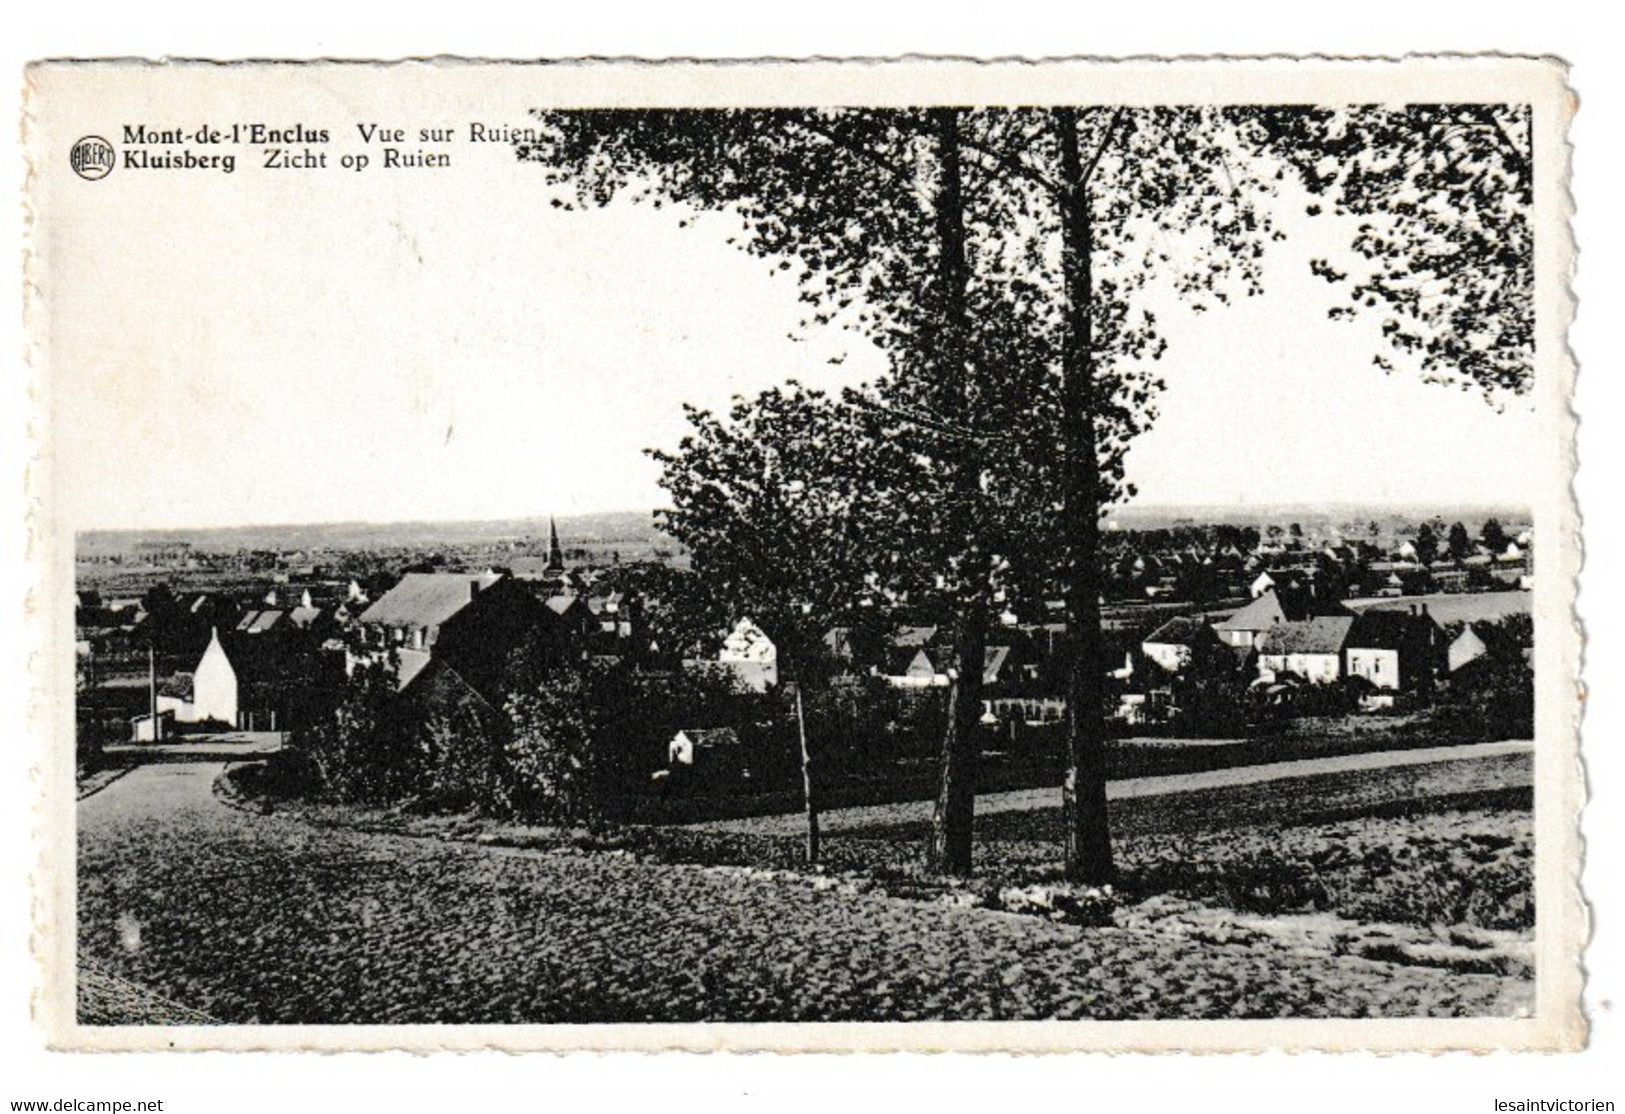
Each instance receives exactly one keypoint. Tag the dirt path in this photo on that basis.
(1022, 800)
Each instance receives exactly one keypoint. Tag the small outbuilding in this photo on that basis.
(703, 747)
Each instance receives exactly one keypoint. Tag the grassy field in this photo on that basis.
(1446, 608)
(1449, 843)
(1037, 762)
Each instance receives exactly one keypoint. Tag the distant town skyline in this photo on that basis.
(452, 349)
(1140, 516)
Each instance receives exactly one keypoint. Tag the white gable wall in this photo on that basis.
(214, 686)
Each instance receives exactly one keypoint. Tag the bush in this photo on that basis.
(550, 750)
(93, 733)
(464, 762)
(360, 753)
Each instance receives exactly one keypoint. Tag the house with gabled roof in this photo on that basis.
(838, 643)
(255, 682)
(1469, 646)
(1244, 629)
(1174, 645)
(472, 621)
(751, 656)
(1310, 648)
(1395, 650)
(913, 667)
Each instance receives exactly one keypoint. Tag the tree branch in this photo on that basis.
(1014, 165)
(939, 425)
(1105, 142)
(859, 149)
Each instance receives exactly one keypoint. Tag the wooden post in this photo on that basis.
(807, 784)
(152, 693)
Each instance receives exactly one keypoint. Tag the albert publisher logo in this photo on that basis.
(92, 158)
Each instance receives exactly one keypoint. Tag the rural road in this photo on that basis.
(251, 918)
(1022, 800)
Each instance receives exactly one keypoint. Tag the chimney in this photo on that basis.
(473, 589)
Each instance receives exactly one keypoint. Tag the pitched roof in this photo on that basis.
(426, 599)
(706, 737)
(263, 658)
(1388, 630)
(909, 661)
(993, 661)
(529, 567)
(913, 636)
(1323, 634)
(411, 663)
(1261, 614)
(1283, 602)
(258, 622)
(1181, 630)
(748, 642)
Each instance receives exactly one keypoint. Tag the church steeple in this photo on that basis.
(555, 552)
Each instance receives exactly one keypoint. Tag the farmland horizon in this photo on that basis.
(639, 524)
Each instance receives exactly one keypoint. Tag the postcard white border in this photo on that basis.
(1558, 1023)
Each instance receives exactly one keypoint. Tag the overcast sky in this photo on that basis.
(442, 345)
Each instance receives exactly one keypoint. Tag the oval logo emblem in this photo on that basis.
(92, 158)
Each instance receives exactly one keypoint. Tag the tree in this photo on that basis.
(359, 752)
(1119, 175)
(550, 749)
(1460, 545)
(463, 757)
(1427, 544)
(869, 203)
(1004, 258)
(1442, 197)
(673, 612)
(1493, 535)
(92, 729)
(800, 512)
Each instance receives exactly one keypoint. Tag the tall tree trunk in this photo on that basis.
(953, 820)
(1083, 793)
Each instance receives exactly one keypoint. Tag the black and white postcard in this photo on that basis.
(919, 554)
